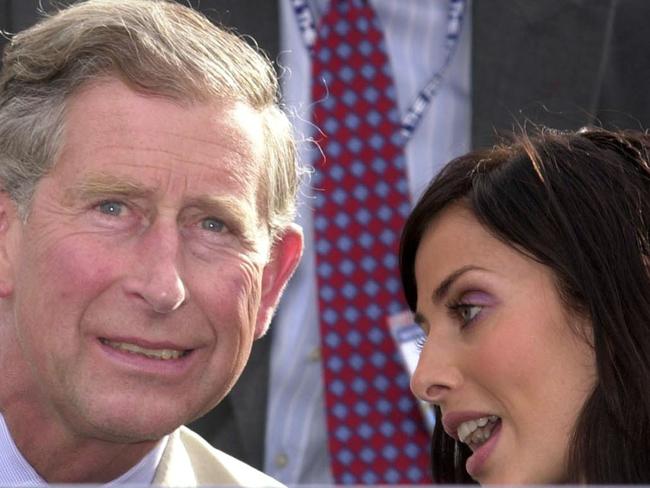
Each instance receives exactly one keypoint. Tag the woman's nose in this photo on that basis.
(437, 372)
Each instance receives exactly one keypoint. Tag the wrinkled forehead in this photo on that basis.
(108, 116)
(116, 137)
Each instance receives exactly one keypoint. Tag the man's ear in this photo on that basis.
(285, 255)
(9, 226)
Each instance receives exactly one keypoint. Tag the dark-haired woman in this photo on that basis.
(528, 267)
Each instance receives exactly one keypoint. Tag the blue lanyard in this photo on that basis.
(306, 24)
(413, 116)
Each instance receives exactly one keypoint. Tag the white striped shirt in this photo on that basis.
(296, 445)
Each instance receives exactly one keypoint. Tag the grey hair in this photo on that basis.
(155, 46)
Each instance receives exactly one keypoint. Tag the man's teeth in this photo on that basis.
(163, 354)
(477, 431)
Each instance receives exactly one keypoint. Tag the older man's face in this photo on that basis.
(142, 276)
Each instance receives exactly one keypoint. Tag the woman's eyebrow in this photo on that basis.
(441, 291)
(443, 288)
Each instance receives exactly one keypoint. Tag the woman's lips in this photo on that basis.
(476, 462)
(451, 421)
(479, 429)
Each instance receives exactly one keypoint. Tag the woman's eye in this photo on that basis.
(111, 208)
(420, 341)
(213, 225)
(468, 312)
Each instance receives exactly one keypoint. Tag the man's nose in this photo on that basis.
(158, 280)
(438, 372)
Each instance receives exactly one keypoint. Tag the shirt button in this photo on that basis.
(314, 355)
(281, 460)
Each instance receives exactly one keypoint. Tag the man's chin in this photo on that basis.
(128, 416)
(126, 431)
(126, 424)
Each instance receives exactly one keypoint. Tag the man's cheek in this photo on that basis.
(79, 267)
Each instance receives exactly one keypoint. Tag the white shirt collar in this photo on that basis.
(15, 470)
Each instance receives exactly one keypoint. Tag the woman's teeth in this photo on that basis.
(476, 432)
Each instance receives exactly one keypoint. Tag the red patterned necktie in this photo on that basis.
(376, 433)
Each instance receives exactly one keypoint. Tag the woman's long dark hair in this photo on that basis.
(578, 203)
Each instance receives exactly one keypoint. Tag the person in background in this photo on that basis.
(558, 63)
(528, 268)
(147, 191)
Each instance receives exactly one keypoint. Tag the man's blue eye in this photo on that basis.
(213, 225)
(110, 208)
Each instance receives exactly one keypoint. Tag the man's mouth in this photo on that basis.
(161, 354)
(476, 432)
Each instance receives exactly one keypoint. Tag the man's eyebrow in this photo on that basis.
(443, 288)
(101, 185)
(237, 215)
(224, 205)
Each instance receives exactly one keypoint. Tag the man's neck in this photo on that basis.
(61, 458)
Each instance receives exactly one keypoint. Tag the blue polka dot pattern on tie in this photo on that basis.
(376, 432)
